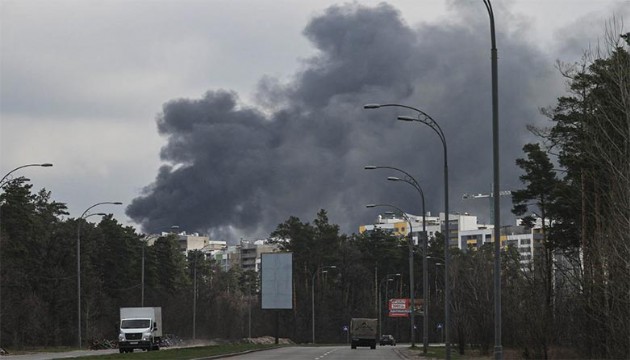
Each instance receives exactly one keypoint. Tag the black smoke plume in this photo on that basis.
(235, 170)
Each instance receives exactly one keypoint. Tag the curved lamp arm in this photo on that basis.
(23, 166)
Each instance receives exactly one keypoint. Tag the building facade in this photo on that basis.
(465, 232)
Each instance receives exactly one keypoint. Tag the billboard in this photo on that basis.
(277, 281)
(398, 307)
(401, 307)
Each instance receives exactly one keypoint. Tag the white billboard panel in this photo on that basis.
(277, 280)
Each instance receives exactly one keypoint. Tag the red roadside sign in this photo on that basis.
(399, 307)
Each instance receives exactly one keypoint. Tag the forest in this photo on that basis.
(573, 301)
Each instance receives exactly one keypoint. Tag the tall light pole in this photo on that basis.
(194, 328)
(411, 280)
(195, 254)
(2, 183)
(146, 239)
(437, 264)
(425, 248)
(249, 278)
(425, 119)
(498, 348)
(81, 218)
(21, 167)
(323, 270)
(387, 278)
(144, 244)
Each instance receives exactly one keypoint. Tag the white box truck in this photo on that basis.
(363, 332)
(140, 328)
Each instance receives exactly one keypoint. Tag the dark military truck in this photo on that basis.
(363, 332)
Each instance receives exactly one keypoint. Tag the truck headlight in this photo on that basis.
(121, 337)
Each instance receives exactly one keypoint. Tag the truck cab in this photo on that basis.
(140, 328)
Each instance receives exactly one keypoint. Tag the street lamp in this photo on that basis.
(425, 248)
(146, 239)
(425, 119)
(498, 348)
(437, 264)
(82, 217)
(387, 278)
(249, 278)
(2, 183)
(322, 269)
(194, 324)
(23, 166)
(411, 281)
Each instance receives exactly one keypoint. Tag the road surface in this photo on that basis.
(341, 352)
(324, 353)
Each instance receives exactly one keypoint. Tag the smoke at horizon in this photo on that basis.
(238, 170)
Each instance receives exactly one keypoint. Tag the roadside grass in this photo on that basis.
(184, 353)
(439, 352)
(31, 350)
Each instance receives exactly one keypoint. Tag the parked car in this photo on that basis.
(388, 340)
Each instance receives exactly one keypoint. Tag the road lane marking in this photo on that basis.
(325, 354)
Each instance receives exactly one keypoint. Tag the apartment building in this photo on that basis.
(465, 232)
(399, 225)
(251, 252)
(246, 255)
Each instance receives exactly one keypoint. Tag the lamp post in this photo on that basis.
(387, 278)
(438, 262)
(250, 278)
(411, 281)
(425, 248)
(194, 324)
(144, 242)
(21, 167)
(425, 119)
(498, 348)
(2, 182)
(322, 269)
(82, 217)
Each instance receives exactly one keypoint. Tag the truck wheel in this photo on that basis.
(353, 346)
(121, 350)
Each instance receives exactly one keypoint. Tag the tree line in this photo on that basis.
(573, 299)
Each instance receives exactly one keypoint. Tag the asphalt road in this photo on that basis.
(341, 352)
(324, 353)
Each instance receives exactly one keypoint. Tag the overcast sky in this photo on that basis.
(226, 117)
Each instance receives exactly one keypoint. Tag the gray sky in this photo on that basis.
(229, 116)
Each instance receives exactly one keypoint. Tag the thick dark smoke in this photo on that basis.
(238, 171)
